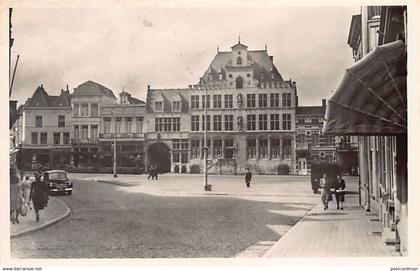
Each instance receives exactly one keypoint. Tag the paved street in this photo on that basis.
(115, 221)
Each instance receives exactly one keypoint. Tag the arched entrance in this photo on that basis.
(159, 154)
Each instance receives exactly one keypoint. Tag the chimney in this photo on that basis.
(297, 101)
(324, 103)
(271, 58)
(42, 86)
(62, 91)
(148, 87)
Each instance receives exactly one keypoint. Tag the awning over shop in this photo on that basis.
(372, 96)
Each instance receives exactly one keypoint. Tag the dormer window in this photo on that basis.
(239, 60)
(176, 106)
(158, 106)
(211, 77)
(220, 76)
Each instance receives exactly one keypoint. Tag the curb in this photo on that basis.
(52, 222)
(270, 251)
(116, 183)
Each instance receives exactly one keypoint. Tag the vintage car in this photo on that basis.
(58, 182)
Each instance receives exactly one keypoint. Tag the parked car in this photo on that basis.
(59, 182)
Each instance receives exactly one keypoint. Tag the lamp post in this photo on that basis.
(115, 142)
(206, 185)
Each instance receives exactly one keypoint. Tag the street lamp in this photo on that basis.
(113, 114)
(207, 187)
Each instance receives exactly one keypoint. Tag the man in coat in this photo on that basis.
(248, 177)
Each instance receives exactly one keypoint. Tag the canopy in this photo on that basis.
(371, 99)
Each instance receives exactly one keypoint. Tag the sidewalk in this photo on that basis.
(56, 211)
(342, 233)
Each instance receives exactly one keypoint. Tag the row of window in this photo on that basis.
(129, 126)
(167, 124)
(82, 131)
(58, 138)
(61, 121)
(251, 125)
(82, 110)
(314, 121)
(264, 100)
(314, 139)
(262, 148)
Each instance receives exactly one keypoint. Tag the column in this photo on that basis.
(211, 149)
(269, 147)
(201, 147)
(281, 148)
(223, 148)
(89, 110)
(89, 131)
(189, 151)
(257, 148)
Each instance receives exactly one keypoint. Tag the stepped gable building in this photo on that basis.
(43, 130)
(86, 103)
(123, 121)
(250, 118)
(312, 146)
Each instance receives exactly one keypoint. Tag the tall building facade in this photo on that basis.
(123, 123)
(43, 130)
(86, 103)
(377, 36)
(249, 111)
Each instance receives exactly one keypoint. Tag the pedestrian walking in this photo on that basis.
(26, 190)
(324, 184)
(339, 192)
(155, 172)
(15, 196)
(39, 195)
(248, 177)
(151, 171)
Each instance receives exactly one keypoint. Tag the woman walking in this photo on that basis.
(26, 191)
(15, 196)
(39, 195)
(325, 190)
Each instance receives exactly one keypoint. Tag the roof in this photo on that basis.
(133, 100)
(310, 110)
(40, 98)
(239, 46)
(91, 88)
(258, 60)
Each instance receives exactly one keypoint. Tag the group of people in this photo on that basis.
(153, 172)
(25, 189)
(337, 185)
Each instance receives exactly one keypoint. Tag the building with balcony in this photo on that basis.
(250, 118)
(312, 146)
(87, 100)
(42, 131)
(122, 122)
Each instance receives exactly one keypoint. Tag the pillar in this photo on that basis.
(211, 148)
(223, 148)
(269, 147)
(257, 147)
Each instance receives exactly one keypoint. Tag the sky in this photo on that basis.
(171, 47)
